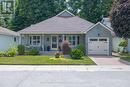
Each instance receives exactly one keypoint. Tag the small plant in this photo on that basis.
(33, 51)
(2, 54)
(76, 54)
(123, 44)
(12, 52)
(57, 55)
(66, 49)
(82, 48)
(21, 49)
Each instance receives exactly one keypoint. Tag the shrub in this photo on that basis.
(76, 54)
(32, 51)
(2, 54)
(66, 48)
(21, 49)
(12, 52)
(123, 44)
(82, 48)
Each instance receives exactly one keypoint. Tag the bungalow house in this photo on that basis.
(115, 40)
(48, 35)
(8, 39)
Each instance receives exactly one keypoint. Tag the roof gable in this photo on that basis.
(112, 32)
(65, 13)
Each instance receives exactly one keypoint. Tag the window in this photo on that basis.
(35, 40)
(73, 40)
(47, 39)
(93, 39)
(102, 39)
(14, 39)
(78, 39)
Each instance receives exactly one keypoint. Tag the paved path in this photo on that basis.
(108, 60)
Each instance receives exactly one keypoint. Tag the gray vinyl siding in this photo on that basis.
(103, 33)
(129, 45)
(7, 42)
(65, 14)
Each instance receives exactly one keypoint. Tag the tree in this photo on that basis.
(120, 18)
(30, 12)
(74, 6)
(91, 10)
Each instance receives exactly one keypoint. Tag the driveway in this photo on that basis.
(108, 60)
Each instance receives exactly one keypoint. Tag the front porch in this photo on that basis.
(49, 42)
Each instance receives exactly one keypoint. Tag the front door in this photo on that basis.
(54, 42)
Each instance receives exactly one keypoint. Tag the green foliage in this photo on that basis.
(120, 18)
(123, 43)
(76, 54)
(66, 49)
(94, 9)
(30, 12)
(2, 54)
(82, 48)
(21, 49)
(12, 52)
(74, 6)
(32, 51)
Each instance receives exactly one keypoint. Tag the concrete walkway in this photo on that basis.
(108, 60)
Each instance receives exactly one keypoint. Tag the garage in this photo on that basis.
(98, 46)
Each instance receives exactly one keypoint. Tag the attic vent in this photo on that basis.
(65, 13)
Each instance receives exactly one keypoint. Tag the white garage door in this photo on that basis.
(98, 46)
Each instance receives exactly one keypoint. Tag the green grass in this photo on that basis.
(125, 57)
(44, 60)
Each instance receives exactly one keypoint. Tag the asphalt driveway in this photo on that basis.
(108, 60)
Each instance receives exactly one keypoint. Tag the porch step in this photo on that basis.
(48, 52)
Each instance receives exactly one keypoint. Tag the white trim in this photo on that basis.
(99, 23)
(65, 11)
(43, 42)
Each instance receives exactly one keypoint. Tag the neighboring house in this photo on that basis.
(48, 35)
(8, 39)
(116, 40)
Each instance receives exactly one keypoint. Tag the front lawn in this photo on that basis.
(44, 60)
(125, 57)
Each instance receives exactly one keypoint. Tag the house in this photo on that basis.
(48, 35)
(8, 39)
(115, 40)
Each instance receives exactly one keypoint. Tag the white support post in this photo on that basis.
(42, 40)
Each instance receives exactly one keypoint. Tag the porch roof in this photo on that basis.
(59, 25)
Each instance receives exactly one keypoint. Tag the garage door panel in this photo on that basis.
(98, 46)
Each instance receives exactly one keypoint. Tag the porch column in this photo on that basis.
(42, 42)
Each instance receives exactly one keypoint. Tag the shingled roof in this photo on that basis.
(5, 31)
(63, 23)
